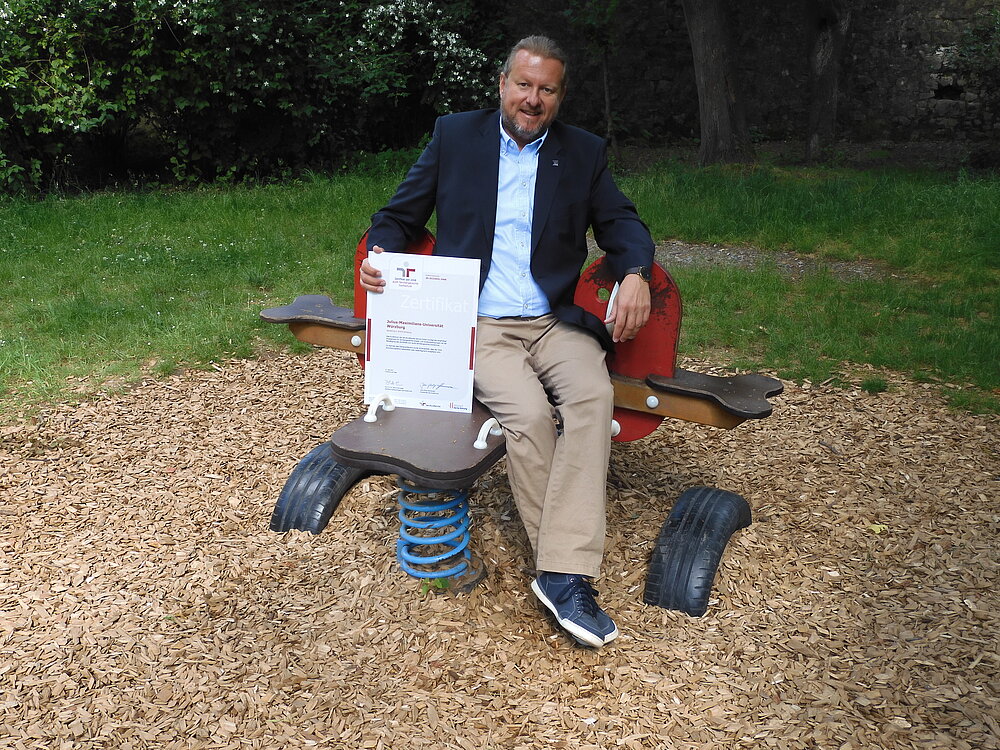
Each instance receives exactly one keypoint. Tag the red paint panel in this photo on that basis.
(653, 350)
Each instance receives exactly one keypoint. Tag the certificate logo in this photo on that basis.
(405, 276)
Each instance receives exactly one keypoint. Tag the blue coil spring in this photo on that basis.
(421, 514)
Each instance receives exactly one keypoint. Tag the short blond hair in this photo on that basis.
(541, 46)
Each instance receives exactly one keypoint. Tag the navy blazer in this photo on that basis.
(457, 174)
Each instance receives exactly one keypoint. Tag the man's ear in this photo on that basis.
(503, 84)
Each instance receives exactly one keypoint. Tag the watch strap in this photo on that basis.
(642, 271)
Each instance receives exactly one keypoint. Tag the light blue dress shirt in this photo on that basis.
(510, 289)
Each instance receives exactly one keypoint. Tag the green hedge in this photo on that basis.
(97, 91)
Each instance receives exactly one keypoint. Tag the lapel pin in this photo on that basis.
(555, 162)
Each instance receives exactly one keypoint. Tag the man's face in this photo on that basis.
(530, 96)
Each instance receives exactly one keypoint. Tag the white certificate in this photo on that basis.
(422, 331)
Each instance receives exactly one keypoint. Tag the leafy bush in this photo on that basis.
(66, 76)
(93, 91)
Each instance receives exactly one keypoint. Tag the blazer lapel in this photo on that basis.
(546, 182)
(484, 167)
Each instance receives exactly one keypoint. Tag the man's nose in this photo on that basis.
(533, 98)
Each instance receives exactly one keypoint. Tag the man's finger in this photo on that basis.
(371, 277)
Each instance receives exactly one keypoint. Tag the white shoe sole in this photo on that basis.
(582, 635)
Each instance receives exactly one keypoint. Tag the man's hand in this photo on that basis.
(371, 277)
(629, 309)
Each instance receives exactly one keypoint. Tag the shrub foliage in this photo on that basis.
(98, 90)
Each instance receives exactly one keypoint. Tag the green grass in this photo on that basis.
(807, 329)
(104, 287)
(100, 286)
(933, 314)
(923, 222)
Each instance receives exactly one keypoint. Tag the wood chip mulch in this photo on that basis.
(145, 604)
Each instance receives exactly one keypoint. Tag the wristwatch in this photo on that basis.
(643, 272)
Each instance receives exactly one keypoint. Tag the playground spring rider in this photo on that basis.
(439, 455)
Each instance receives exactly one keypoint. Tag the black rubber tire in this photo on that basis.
(687, 552)
(313, 491)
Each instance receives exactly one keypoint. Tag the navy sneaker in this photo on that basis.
(572, 599)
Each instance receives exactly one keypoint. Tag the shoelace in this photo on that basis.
(578, 586)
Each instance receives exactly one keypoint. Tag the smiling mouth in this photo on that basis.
(523, 124)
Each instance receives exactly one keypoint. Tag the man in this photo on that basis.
(519, 191)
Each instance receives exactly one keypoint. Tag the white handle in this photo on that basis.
(491, 427)
(382, 399)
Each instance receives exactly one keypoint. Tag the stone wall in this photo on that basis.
(898, 76)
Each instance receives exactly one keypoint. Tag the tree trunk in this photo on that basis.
(827, 21)
(724, 133)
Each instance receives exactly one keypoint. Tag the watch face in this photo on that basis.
(642, 271)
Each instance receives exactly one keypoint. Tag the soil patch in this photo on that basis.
(673, 253)
(145, 604)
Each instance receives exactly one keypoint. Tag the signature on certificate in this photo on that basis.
(435, 387)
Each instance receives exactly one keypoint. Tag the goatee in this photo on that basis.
(515, 130)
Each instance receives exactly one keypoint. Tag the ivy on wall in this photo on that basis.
(979, 54)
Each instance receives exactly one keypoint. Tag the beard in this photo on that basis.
(511, 126)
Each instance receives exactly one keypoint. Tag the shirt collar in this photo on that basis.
(506, 142)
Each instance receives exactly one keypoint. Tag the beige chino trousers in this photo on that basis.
(557, 479)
